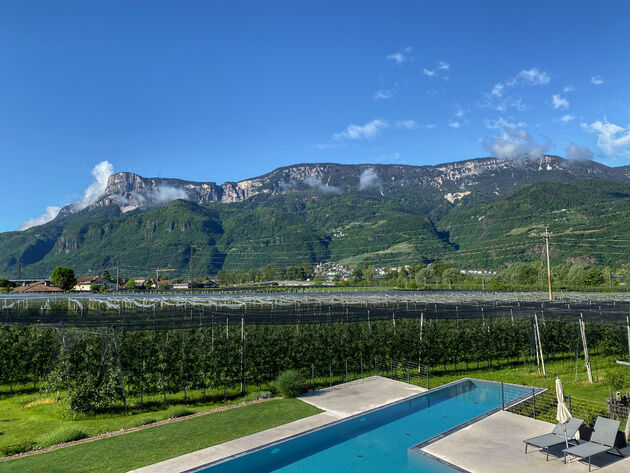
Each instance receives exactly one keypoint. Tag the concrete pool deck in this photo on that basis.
(495, 445)
(338, 402)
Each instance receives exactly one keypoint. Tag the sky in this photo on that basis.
(227, 90)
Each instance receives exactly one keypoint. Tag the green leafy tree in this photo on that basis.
(63, 278)
(130, 284)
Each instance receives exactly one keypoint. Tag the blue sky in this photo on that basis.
(217, 91)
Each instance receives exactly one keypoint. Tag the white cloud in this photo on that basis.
(454, 124)
(50, 214)
(383, 94)
(501, 124)
(366, 131)
(316, 183)
(372, 129)
(559, 102)
(568, 88)
(578, 153)
(101, 173)
(436, 71)
(428, 126)
(567, 118)
(502, 104)
(612, 139)
(369, 178)
(534, 77)
(597, 80)
(516, 144)
(401, 57)
(164, 194)
(406, 124)
(497, 90)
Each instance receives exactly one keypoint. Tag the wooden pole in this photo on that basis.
(587, 359)
(542, 359)
(628, 327)
(242, 354)
(548, 265)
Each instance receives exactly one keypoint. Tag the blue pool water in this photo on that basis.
(379, 441)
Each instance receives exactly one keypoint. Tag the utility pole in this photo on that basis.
(117, 278)
(192, 264)
(548, 265)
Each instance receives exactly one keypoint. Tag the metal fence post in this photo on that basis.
(570, 410)
(361, 367)
(534, 402)
(391, 368)
(346, 371)
(427, 370)
(330, 370)
(375, 366)
(408, 377)
(313, 377)
(502, 396)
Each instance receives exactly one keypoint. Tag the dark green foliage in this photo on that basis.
(63, 278)
(289, 383)
(22, 446)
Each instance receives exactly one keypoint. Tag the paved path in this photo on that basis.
(495, 445)
(338, 402)
(345, 400)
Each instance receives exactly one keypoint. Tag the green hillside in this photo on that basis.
(587, 219)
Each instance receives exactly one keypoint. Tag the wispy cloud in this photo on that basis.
(568, 88)
(567, 118)
(368, 179)
(497, 98)
(597, 80)
(516, 144)
(612, 139)
(316, 183)
(501, 124)
(533, 77)
(366, 131)
(578, 153)
(372, 129)
(559, 102)
(428, 126)
(455, 124)
(438, 70)
(51, 212)
(383, 94)
(401, 57)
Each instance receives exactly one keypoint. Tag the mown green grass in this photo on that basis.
(144, 447)
(29, 417)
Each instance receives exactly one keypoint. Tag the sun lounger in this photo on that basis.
(556, 437)
(602, 440)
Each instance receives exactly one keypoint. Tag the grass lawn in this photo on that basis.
(136, 449)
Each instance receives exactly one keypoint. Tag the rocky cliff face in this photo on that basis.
(484, 176)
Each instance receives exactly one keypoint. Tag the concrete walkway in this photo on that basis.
(495, 445)
(345, 400)
(338, 402)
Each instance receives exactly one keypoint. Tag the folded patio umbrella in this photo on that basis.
(563, 415)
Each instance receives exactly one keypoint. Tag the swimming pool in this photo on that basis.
(380, 440)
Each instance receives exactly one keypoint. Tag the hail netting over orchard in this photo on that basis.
(154, 311)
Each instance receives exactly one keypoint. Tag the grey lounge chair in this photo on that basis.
(602, 440)
(556, 437)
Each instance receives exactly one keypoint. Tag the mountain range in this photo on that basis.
(481, 213)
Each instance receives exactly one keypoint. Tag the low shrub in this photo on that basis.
(61, 435)
(289, 383)
(148, 421)
(257, 395)
(24, 445)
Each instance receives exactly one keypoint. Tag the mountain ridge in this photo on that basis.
(312, 212)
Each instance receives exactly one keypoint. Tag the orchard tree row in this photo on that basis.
(94, 365)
